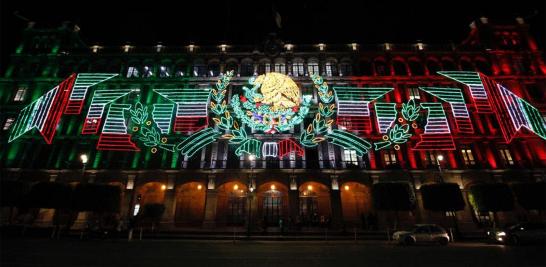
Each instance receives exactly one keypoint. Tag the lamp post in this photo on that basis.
(84, 158)
(250, 192)
(438, 159)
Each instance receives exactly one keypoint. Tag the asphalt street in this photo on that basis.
(40, 252)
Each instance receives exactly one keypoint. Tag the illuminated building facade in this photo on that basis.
(230, 135)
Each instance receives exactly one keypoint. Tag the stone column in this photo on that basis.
(335, 204)
(211, 200)
(210, 208)
(167, 221)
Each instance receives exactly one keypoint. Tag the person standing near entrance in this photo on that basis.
(280, 225)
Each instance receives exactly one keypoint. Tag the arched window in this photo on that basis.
(148, 69)
(433, 66)
(298, 68)
(345, 68)
(366, 68)
(483, 66)
(467, 65)
(399, 67)
(165, 69)
(280, 65)
(448, 64)
(180, 69)
(330, 68)
(264, 66)
(247, 67)
(416, 67)
(381, 67)
(231, 65)
(213, 68)
(313, 66)
(199, 68)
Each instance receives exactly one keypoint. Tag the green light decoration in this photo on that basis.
(399, 133)
(197, 141)
(250, 146)
(349, 141)
(320, 125)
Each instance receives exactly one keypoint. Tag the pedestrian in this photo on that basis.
(280, 224)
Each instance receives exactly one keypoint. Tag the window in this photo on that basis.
(280, 67)
(468, 157)
(313, 68)
(506, 156)
(147, 72)
(350, 156)
(247, 69)
(414, 93)
(389, 157)
(8, 123)
(431, 158)
(264, 68)
(331, 69)
(199, 70)
(345, 69)
(132, 72)
(164, 72)
(298, 69)
(20, 94)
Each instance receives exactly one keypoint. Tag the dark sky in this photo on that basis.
(236, 22)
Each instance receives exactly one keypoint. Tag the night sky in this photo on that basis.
(242, 22)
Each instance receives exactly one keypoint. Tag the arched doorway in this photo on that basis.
(231, 204)
(356, 202)
(151, 193)
(315, 206)
(190, 204)
(272, 202)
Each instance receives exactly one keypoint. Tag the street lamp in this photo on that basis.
(251, 157)
(84, 158)
(438, 159)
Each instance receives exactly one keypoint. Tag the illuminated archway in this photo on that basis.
(315, 208)
(231, 203)
(190, 204)
(151, 193)
(272, 202)
(356, 201)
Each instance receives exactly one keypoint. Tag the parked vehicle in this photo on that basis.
(520, 233)
(422, 233)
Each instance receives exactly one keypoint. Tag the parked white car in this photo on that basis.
(422, 233)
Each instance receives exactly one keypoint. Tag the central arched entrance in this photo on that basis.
(356, 202)
(315, 209)
(151, 193)
(190, 204)
(272, 202)
(231, 204)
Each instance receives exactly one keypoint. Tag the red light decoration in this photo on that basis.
(56, 109)
(116, 142)
(287, 146)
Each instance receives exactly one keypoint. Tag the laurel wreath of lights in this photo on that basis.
(400, 133)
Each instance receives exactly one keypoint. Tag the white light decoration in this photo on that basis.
(354, 46)
(289, 47)
(191, 47)
(270, 149)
